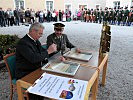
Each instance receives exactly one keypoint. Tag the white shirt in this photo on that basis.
(53, 14)
(31, 38)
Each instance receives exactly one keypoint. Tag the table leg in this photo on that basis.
(94, 89)
(104, 73)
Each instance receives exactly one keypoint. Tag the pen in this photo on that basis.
(33, 84)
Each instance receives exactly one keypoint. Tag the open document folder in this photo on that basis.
(84, 56)
(62, 67)
(57, 87)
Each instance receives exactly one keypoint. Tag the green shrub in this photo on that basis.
(7, 44)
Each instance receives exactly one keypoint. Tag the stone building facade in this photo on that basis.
(63, 4)
(51, 4)
(119, 3)
(74, 5)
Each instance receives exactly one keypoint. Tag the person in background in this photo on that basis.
(27, 16)
(60, 15)
(2, 19)
(17, 16)
(32, 17)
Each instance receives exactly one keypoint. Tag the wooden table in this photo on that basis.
(97, 61)
(89, 74)
(88, 71)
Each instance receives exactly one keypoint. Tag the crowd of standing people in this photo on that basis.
(114, 16)
(14, 17)
(119, 16)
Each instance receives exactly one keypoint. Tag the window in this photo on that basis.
(19, 4)
(49, 5)
(82, 6)
(116, 4)
(68, 7)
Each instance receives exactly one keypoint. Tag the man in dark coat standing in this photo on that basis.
(16, 15)
(2, 19)
(29, 53)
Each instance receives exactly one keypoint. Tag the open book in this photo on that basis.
(84, 56)
(68, 68)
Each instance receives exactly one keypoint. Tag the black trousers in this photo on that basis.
(35, 97)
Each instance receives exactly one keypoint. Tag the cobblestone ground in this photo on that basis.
(119, 84)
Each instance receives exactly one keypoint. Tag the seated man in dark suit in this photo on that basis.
(59, 39)
(29, 53)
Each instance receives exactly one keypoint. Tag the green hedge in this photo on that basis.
(7, 44)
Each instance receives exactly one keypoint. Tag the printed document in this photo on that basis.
(58, 87)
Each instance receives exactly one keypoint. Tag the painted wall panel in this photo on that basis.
(5, 4)
(35, 4)
(59, 5)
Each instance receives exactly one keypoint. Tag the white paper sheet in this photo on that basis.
(58, 87)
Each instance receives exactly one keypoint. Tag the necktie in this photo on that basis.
(37, 45)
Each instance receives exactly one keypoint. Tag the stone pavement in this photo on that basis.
(119, 84)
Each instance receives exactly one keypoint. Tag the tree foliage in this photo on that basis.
(7, 44)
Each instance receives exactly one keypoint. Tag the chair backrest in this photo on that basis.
(44, 46)
(105, 39)
(104, 42)
(10, 61)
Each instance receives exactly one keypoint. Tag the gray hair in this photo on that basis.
(36, 26)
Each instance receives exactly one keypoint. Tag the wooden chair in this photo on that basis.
(23, 90)
(104, 50)
(10, 61)
(44, 46)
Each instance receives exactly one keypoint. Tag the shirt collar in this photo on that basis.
(58, 36)
(31, 37)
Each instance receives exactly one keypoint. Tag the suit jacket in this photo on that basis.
(2, 14)
(62, 42)
(29, 56)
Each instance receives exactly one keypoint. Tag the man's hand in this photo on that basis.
(78, 50)
(52, 48)
(62, 58)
